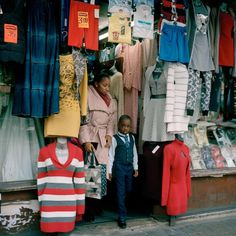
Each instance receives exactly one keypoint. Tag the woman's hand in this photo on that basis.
(89, 147)
(108, 141)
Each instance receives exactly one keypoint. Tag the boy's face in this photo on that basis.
(124, 126)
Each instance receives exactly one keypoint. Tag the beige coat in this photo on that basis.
(101, 118)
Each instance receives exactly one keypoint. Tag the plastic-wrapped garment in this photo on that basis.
(207, 157)
(143, 22)
(19, 147)
(217, 157)
(120, 6)
(119, 30)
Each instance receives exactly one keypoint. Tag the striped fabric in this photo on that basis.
(61, 189)
(177, 84)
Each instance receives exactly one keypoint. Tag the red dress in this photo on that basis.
(226, 45)
(176, 180)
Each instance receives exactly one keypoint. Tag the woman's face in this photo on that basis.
(103, 86)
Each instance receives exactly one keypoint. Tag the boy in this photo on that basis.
(123, 159)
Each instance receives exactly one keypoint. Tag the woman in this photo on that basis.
(97, 134)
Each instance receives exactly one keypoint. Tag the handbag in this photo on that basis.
(95, 177)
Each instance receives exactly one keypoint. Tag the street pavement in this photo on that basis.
(222, 224)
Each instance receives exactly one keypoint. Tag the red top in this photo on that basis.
(226, 45)
(176, 180)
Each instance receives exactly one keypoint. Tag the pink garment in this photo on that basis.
(132, 74)
(101, 118)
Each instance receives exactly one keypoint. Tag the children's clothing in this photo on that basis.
(123, 159)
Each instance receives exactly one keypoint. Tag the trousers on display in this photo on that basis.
(193, 90)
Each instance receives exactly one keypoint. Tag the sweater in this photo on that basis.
(61, 190)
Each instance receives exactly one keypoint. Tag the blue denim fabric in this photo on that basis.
(174, 44)
(37, 93)
(124, 173)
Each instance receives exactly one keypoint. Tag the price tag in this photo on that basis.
(155, 149)
(96, 13)
(83, 19)
(10, 33)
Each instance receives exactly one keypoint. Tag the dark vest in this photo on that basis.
(123, 154)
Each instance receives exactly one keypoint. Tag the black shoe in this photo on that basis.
(89, 218)
(122, 224)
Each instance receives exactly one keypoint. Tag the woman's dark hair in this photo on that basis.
(98, 77)
(124, 117)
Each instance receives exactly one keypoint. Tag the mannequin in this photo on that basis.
(62, 150)
(180, 137)
(60, 184)
(176, 180)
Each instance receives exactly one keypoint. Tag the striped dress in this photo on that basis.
(61, 189)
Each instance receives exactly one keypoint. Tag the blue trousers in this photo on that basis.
(124, 173)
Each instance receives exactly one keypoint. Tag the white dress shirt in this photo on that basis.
(113, 148)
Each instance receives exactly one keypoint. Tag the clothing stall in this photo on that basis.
(172, 69)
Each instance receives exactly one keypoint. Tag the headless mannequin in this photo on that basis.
(172, 219)
(62, 150)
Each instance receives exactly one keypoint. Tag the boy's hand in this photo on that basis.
(136, 173)
(110, 177)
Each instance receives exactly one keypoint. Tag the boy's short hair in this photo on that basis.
(124, 117)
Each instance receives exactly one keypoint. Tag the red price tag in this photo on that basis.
(10, 33)
(83, 19)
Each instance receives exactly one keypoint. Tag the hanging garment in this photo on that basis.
(101, 118)
(12, 31)
(61, 190)
(173, 10)
(153, 169)
(193, 91)
(147, 2)
(19, 147)
(216, 85)
(149, 52)
(226, 44)
(67, 122)
(132, 73)
(119, 28)
(124, 6)
(177, 84)
(143, 22)
(80, 61)
(173, 42)
(176, 180)
(83, 25)
(64, 20)
(107, 54)
(117, 93)
(154, 128)
(201, 58)
(37, 93)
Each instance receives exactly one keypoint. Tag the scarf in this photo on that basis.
(106, 98)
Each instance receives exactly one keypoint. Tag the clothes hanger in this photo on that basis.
(83, 49)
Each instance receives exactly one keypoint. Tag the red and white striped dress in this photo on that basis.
(61, 189)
